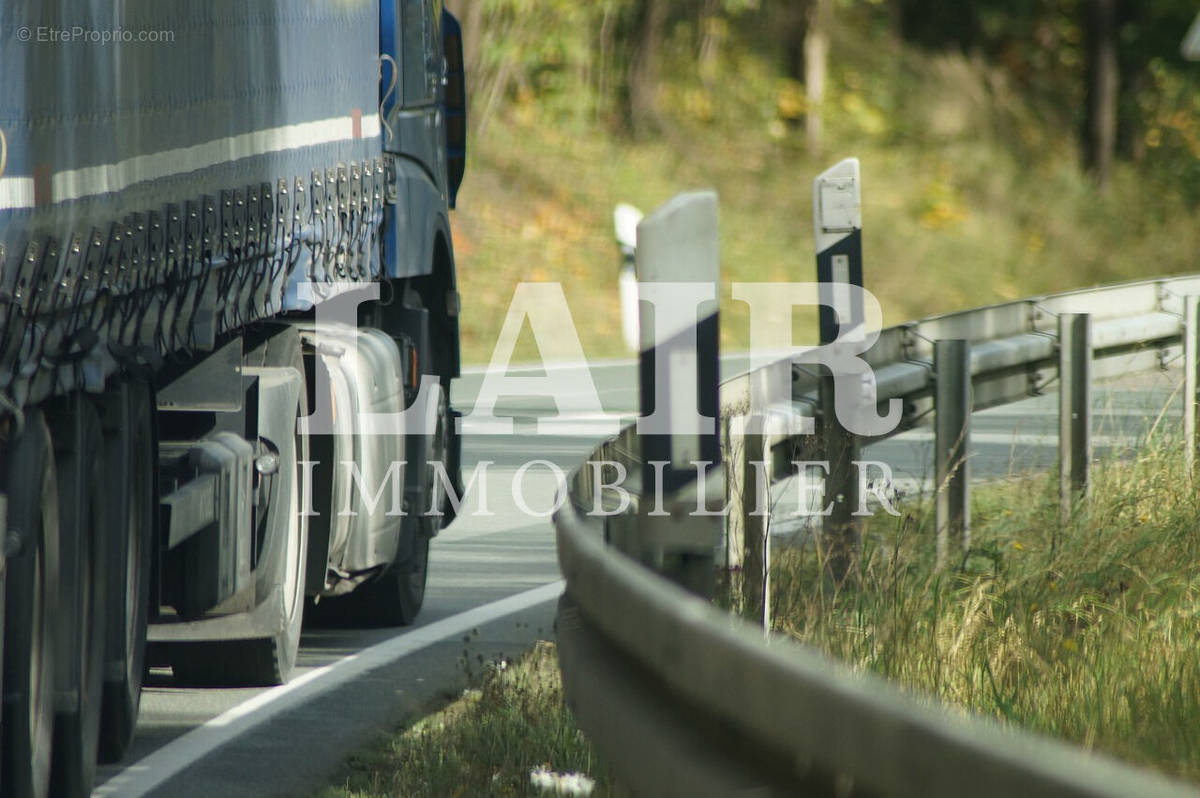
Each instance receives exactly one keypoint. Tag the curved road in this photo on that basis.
(493, 584)
(492, 590)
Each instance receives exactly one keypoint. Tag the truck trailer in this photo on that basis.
(224, 241)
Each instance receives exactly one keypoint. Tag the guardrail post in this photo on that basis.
(1191, 379)
(753, 507)
(735, 488)
(746, 552)
(678, 531)
(1074, 410)
(952, 408)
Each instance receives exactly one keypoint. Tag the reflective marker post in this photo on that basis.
(678, 267)
(837, 229)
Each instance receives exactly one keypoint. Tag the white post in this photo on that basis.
(678, 267)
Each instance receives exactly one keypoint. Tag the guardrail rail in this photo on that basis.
(681, 699)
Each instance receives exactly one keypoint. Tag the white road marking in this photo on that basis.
(727, 358)
(141, 777)
(557, 365)
(1015, 439)
(1098, 413)
(564, 425)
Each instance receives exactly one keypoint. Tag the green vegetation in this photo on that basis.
(1087, 633)
(967, 116)
(974, 188)
(485, 743)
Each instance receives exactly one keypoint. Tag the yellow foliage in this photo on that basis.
(1036, 243)
(942, 206)
(790, 101)
(698, 104)
(868, 119)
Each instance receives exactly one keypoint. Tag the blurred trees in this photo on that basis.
(816, 57)
(1103, 85)
(804, 31)
(641, 82)
(1108, 69)
(604, 59)
(1109, 48)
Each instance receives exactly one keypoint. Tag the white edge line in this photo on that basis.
(150, 772)
(554, 365)
(565, 425)
(1014, 439)
(477, 369)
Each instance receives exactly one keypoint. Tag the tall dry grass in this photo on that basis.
(1090, 632)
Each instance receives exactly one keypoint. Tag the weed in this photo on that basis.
(1092, 640)
(511, 722)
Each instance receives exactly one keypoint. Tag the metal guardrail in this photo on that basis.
(682, 699)
(1014, 345)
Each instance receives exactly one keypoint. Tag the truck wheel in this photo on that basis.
(129, 441)
(395, 597)
(270, 660)
(30, 610)
(82, 508)
(277, 658)
(442, 452)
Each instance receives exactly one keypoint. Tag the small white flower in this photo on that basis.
(576, 785)
(541, 778)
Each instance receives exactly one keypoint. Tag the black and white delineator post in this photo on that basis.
(837, 230)
(678, 267)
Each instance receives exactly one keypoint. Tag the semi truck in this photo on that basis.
(188, 191)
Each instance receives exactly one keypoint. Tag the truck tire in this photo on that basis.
(443, 452)
(130, 451)
(269, 660)
(30, 609)
(277, 655)
(395, 596)
(82, 508)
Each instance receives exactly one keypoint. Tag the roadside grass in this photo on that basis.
(972, 192)
(1087, 633)
(512, 721)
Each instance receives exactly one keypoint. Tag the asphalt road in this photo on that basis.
(492, 587)
(352, 685)
(1012, 441)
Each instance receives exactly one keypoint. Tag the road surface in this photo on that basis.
(493, 583)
